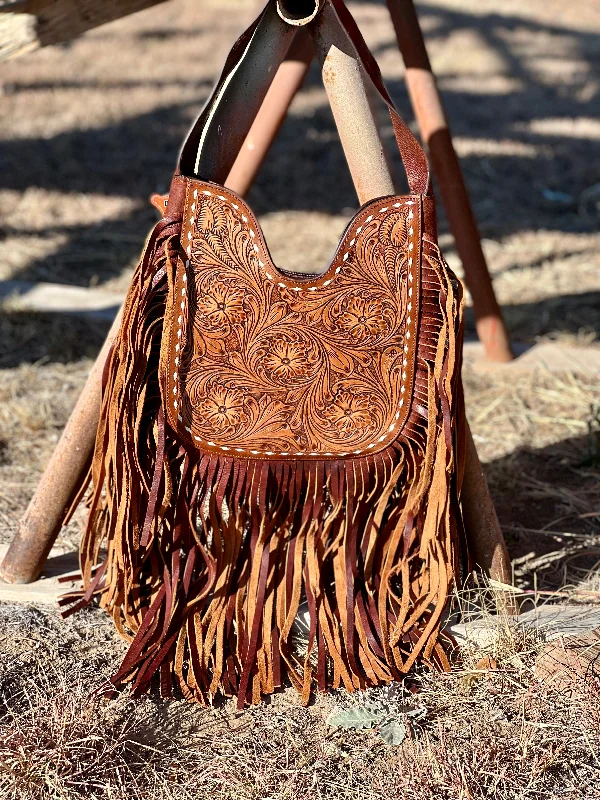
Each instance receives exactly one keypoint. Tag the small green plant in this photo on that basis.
(392, 722)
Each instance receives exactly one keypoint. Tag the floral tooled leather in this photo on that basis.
(264, 364)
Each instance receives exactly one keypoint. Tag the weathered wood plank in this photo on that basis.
(26, 25)
(47, 589)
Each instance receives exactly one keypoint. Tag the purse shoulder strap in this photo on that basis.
(411, 152)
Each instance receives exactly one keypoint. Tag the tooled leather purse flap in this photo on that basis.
(260, 363)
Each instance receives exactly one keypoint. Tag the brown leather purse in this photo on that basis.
(271, 440)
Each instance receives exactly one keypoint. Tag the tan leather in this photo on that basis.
(160, 202)
(258, 363)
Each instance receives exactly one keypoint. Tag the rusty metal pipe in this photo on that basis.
(237, 103)
(250, 105)
(431, 118)
(486, 541)
(344, 83)
(41, 523)
(298, 12)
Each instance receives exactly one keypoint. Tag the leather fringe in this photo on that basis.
(204, 561)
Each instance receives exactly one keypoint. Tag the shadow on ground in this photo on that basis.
(39, 338)
(546, 499)
(573, 314)
(135, 156)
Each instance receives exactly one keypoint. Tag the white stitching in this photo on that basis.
(256, 249)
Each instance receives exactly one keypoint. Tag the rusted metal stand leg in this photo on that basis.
(45, 515)
(349, 100)
(486, 541)
(432, 122)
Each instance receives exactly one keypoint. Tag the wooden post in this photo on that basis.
(26, 25)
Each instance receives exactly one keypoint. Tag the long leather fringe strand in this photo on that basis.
(204, 561)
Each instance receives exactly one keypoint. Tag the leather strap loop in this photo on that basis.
(411, 152)
(188, 156)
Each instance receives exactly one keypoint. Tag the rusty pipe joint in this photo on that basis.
(298, 12)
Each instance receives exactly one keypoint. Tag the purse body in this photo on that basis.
(274, 444)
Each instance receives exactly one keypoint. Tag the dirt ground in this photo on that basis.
(92, 128)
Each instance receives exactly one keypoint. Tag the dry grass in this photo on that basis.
(35, 402)
(510, 410)
(489, 734)
(539, 436)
